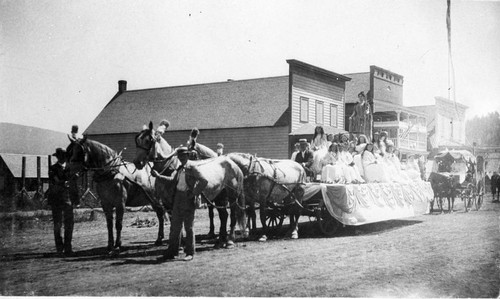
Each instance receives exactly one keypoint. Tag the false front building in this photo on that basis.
(405, 126)
(264, 116)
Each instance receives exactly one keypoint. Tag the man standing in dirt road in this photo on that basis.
(59, 200)
(183, 210)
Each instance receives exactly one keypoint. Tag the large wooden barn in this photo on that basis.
(264, 116)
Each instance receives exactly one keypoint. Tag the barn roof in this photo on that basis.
(14, 164)
(231, 104)
(19, 139)
(359, 82)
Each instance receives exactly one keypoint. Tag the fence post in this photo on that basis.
(23, 173)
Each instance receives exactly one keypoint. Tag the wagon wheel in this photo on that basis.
(327, 224)
(271, 217)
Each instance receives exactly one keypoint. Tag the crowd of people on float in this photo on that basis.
(348, 159)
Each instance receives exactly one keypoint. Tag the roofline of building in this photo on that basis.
(202, 84)
(440, 98)
(316, 69)
(387, 71)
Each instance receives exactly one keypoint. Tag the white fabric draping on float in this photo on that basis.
(358, 204)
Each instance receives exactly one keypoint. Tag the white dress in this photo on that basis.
(319, 146)
(396, 174)
(332, 171)
(374, 171)
(351, 172)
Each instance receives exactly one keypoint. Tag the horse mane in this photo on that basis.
(99, 151)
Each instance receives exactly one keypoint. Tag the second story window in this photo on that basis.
(333, 115)
(319, 112)
(304, 109)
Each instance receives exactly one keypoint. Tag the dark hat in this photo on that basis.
(384, 133)
(303, 140)
(361, 94)
(74, 129)
(182, 150)
(60, 152)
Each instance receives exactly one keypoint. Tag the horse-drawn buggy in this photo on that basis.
(458, 173)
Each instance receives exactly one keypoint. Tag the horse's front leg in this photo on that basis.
(211, 232)
(160, 213)
(108, 211)
(120, 210)
(223, 227)
(232, 232)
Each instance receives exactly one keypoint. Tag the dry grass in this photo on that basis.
(450, 255)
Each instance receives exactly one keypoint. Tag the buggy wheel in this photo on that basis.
(271, 218)
(327, 224)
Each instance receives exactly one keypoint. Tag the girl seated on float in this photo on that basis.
(375, 172)
(332, 171)
(394, 165)
(319, 146)
(351, 172)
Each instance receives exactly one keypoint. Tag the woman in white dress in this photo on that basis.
(396, 174)
(375, 172)
(319, 146)
(351, 172)
(332, 171)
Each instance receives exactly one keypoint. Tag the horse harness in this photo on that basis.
(274, 179)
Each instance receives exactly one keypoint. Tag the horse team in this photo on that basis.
(236, 180)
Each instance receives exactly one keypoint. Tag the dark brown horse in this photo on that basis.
(444, 186)
(273, 183)
(118, 183)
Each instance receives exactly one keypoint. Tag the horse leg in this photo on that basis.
(252, 218)
(120, 210)
(223, 225)
(232, 225)
(108, 211)
(294, 225)
(160, 213)
(211, 232)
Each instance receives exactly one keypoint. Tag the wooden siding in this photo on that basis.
(314, 90)
(268, 142)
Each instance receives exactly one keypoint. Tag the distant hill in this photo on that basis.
(19, 139)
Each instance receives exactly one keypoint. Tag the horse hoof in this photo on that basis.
(229, 245)
(158, 242)
(263, 238)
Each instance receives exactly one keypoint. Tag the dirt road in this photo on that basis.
(450, 255)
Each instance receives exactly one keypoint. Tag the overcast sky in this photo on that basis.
(60, 60)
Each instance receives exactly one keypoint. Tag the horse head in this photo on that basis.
(145, 145)
(77, 155)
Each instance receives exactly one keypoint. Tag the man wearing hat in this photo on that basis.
(183, 210)
(220, 149)
(59, 200)
(305, 157)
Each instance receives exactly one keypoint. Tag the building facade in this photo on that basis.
(264, 116)
(406, 126)
(445, 125)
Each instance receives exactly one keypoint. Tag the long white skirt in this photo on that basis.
(318, 158)
(332, 174)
